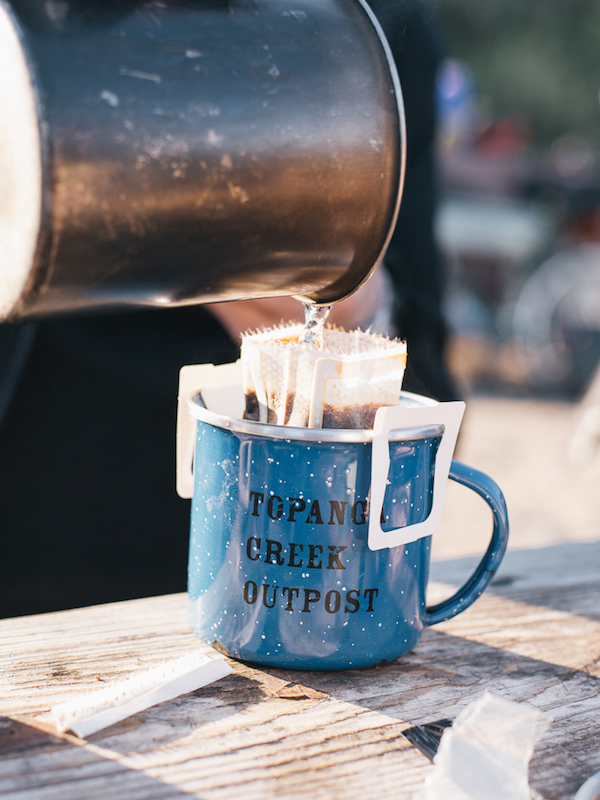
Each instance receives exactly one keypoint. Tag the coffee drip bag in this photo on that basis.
(340, 385)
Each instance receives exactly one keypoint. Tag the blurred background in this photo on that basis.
(519, 227)
(519, 221)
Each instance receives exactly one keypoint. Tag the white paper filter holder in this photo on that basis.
(404, 417)
(225, 381)
(107, 706)
(380, 365)
(221, 387)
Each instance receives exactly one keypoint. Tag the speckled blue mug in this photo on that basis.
(280, 568)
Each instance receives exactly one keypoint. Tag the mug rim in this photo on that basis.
(198, 409)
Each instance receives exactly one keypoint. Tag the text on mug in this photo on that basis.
(297, 556)
(297, 598)
(336, 512)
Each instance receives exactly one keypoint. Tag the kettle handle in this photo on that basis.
(486, 488)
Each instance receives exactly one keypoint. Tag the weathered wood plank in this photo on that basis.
(570, 564)
(288, 734)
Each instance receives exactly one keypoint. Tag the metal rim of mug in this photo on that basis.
(197, 408)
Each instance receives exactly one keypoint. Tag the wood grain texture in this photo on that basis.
(289, 734)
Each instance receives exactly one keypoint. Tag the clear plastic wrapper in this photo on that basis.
(485, 754)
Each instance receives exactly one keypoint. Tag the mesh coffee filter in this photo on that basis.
(338, 386)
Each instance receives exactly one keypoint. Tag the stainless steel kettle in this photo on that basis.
(173, 152)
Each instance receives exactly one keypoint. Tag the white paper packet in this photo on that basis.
(117, 701)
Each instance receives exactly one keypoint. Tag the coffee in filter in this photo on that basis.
(340, 385)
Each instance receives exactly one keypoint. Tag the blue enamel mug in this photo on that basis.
(297, 558)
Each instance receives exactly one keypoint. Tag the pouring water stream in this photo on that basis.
(314, 322)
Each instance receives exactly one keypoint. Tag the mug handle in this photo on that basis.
(486, 488)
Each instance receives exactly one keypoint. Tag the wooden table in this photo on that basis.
(533, 637)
